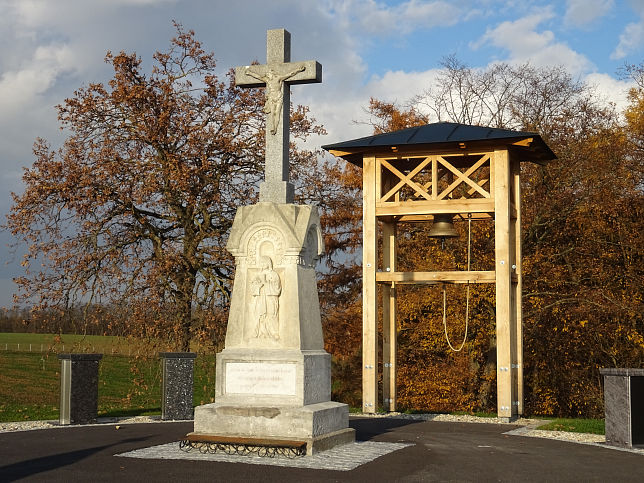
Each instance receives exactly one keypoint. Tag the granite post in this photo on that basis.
(177, 385)
(78, 388)
(624, 406)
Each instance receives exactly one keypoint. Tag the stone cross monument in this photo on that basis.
(277, 75)
(274, 376)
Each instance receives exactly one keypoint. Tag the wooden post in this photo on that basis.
(505, 310)
(369, 288)
(517, 287)
(389, 319)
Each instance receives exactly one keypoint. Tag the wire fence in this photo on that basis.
(60, 348)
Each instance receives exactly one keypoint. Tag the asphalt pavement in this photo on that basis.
(435, 451)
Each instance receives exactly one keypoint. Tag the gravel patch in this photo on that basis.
(598, 440)
(53, 424)
(570, 437)
(26, 425)
(453, 418)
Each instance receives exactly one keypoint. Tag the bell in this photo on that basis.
(443, 227)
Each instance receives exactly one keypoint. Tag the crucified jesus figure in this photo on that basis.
(274, 93)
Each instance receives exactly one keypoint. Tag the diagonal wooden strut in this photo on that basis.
(463, 177)
(406, 179)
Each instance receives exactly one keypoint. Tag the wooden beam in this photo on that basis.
(338, 153)
(412, 151)
(434, 178)
(472, 205)
(461, 276)
(428, 218)
(471, 191)
(517, 286)
(405, 179)
(464, 177)
(505, 315)
(369, 288)
(389, 329)
(445, 149)
(524, 142)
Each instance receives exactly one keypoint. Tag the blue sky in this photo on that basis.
(387, 49)
(479, 36)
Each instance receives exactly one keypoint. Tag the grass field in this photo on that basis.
(65, 343)
(594, 426)
(30, 385)
(128, 386)
(30, 381)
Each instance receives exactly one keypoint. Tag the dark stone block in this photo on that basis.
(177, 386)
(617, 411)
(637, 410)
(79, 388)
(624, 406)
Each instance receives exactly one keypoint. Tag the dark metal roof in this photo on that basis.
(446, 134)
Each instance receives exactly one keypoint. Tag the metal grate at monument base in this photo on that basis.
(267, 448)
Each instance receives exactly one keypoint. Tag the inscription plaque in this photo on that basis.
(261, 378)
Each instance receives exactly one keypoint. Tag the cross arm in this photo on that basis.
(311, 74)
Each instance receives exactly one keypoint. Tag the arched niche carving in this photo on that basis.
(265, 241)
(312, 248)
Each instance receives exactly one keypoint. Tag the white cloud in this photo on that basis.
(379, 18)
(610, 89)
(525, 43)
(583, 12)
(400, 86)
(632, 38)
(341, 107)
(20, 87)
(37, 13)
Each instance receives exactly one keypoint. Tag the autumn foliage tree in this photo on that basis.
(129, 219)
(582, 245)
(133, 211)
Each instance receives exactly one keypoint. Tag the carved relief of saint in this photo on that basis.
(274, 93)
(266, 289)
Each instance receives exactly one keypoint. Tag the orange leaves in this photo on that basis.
(436, 387)
(387, 117)
(582, 247)
(134, 209)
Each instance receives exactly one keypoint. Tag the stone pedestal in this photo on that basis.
(624, 406)
(274, 376)
(78, 388)
(177, 385)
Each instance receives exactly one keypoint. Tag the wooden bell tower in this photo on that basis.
(451, 169)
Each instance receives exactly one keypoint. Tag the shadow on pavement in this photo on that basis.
(23, 469)
(368, 428)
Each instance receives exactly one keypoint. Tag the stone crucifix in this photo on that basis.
(277, 75)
